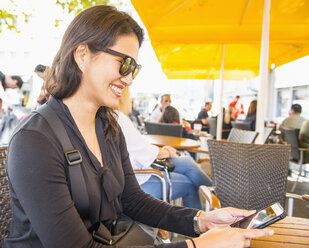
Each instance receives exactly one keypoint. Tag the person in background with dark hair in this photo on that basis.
(251, 114)
(7, 81)
(95, 62)
(202, 117)
(171, 115)
(157, 112)
(294, 120)
(42, 71)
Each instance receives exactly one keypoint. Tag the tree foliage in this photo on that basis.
(76, 6)
(8, 18)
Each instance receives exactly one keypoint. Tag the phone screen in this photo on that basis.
(260, 218)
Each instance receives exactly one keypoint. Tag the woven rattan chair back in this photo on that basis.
(5, 199)
(242, 136)
(249, 176)
(163, 129)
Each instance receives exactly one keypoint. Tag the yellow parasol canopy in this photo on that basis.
(188, 35)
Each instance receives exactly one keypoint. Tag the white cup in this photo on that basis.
(197, 127)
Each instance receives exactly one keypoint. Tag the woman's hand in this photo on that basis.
(221, 217)
(172, 151)
(228, 237)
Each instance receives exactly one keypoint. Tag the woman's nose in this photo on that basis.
(128, 79)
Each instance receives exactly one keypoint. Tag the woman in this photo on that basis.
(251, 114)
(186, 178)
(171, 115)
(95, 62)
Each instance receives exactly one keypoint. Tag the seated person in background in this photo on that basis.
(304, 139)
(237, 107)
(157, 112)
(203, 116)
(8, 82)
(294, 120)
(251, 114)
(187, 175)
(171, 115)
(42, 71)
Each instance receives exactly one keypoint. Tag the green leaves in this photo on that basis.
(9, 16)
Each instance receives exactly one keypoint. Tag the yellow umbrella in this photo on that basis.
(187, 35)
(203, 61)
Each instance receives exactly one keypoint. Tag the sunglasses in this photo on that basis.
(128, 64)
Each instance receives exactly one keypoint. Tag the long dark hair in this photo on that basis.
(170, 115)
(252, 108)
(98, 27)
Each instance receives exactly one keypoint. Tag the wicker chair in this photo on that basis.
(242, 136)
(163, 129)
(5, 199)
(249, 176)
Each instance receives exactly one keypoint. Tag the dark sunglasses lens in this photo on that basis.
(136, 71)
(127, 66)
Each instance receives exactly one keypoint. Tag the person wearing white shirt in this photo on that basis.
(187, 175)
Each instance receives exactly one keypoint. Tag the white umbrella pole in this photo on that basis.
(262, 94)
(220, 114)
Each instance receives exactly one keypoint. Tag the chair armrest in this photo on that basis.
(294, 196)
(198, 150)
(291, 198)
(304, 149)
(156, 173)
(201, 160)
(149, 172)
(209, 197)
(305, 197)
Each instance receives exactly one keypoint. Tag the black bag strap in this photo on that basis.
(76, 178)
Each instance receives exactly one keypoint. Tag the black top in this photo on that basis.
(202, 114)
(44, 214)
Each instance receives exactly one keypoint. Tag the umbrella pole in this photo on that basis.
(263, 73)
(220, 114)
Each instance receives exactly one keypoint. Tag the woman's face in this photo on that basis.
(101, 82)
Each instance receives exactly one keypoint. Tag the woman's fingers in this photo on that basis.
(257, 233)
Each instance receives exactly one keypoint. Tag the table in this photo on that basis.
(289, 232)
(176, 142)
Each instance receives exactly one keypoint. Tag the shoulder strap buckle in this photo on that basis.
(73, 157)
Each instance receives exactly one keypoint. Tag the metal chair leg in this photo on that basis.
(301, 160)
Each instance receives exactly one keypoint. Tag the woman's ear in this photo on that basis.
(80, 54)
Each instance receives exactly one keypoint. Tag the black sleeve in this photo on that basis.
(202, 115)
(149, 210)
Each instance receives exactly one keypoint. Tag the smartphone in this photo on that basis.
(262, 218)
